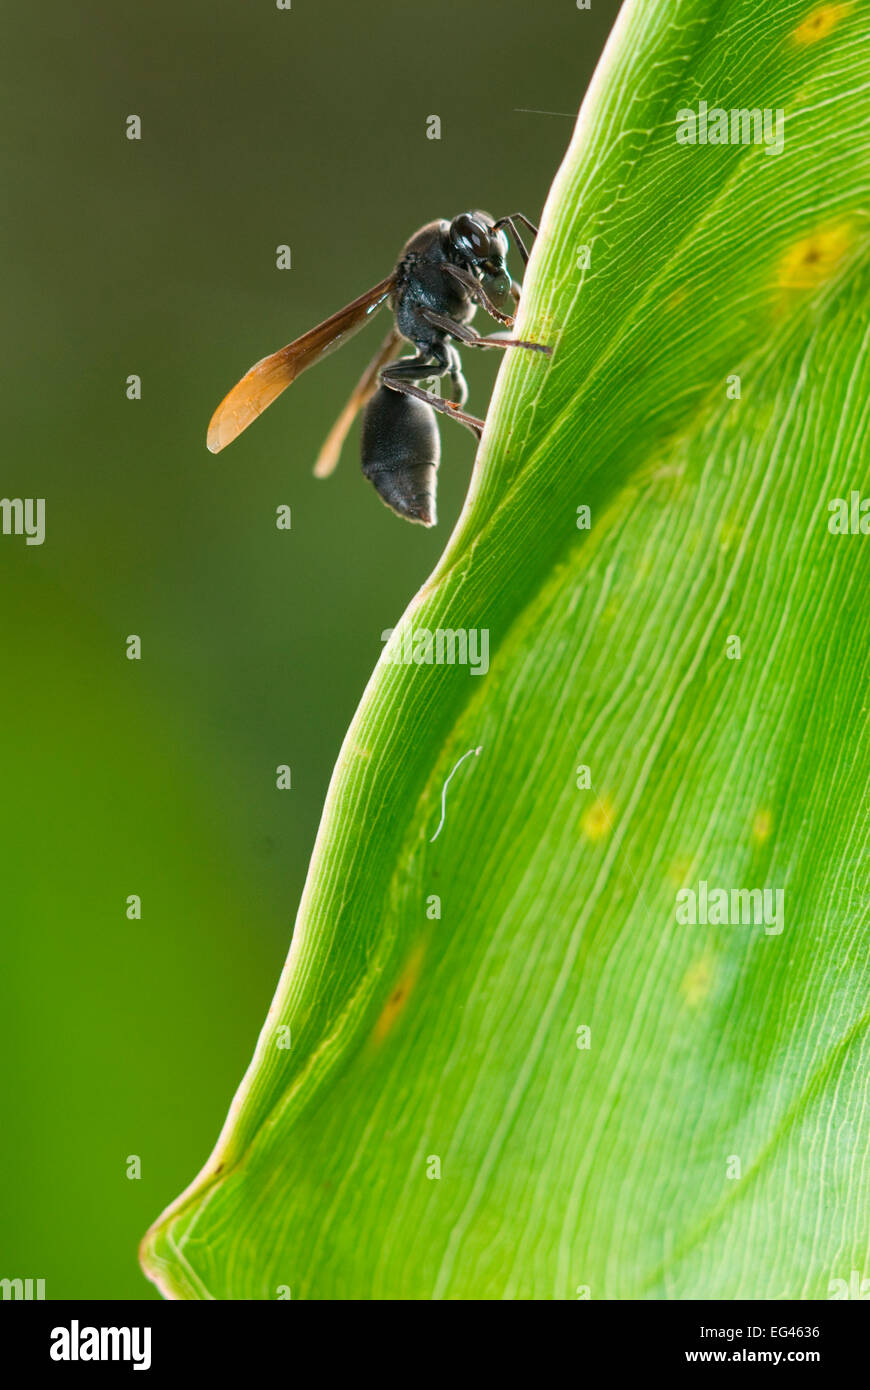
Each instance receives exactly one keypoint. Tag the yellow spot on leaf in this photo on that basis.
(679, 871)
(598, 820)
(819, 23)
(762, 825)
(696, 983)
(814, 259)
(399, 996)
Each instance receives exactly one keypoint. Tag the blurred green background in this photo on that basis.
(157, 777)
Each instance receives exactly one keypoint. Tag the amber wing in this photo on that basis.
(266, 380)
(361, 395)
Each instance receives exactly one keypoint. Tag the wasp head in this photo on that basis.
(476, 240)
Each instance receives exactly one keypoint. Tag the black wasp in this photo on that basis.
(444, 273)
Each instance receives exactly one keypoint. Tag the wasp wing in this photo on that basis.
(266, 380)
(361, 394)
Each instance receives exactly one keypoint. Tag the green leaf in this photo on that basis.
(710, 1140)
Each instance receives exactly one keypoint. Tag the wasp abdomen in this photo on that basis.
(401, 450)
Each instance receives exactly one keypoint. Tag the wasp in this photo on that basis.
(445, 272)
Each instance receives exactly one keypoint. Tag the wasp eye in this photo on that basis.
(469, 236)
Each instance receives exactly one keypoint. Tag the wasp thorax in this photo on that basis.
(401, 450)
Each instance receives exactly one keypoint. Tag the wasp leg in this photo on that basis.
(401, 375)
(463, 334)
(458, 384)
(453, 369)
(512, 228)
(460, 389)
(479, 294)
